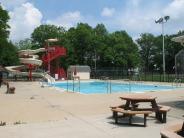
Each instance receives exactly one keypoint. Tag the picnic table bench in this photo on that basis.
(131, 107)
(130, 113)
(162, 113)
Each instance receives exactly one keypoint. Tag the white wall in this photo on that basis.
(83, 75)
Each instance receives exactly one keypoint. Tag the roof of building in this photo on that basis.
(82, 68)
(179, 39)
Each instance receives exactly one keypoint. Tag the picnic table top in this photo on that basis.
(138, 97)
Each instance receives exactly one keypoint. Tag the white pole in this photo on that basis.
(163, 50)
(48, 59)
(95, 60)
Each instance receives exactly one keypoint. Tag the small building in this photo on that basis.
(83, 72)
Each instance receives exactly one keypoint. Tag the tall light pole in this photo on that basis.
(163, 20)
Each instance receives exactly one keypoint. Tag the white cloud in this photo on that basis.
(137, 20)
(140, 18)
(135, 3)
(107, 12)
(175, 9)
(67, 20)
(23, 20)
(12, 3)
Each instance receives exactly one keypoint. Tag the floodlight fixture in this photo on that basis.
(163, 20)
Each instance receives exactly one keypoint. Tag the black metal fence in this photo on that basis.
(116, 74)
(138, 76)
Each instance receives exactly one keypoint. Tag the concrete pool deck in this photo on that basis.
(35, 112)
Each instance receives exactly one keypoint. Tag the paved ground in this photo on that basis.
(82, 127)
(35, 112)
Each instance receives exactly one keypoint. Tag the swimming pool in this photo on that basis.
(95, 87)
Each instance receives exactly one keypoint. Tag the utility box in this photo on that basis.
(83, 72)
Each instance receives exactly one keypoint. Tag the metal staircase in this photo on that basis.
(54, 53)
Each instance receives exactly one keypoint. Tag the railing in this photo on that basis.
(56, 52)
(76, 84)
(109, 85)
(119, 73)
(176, 83)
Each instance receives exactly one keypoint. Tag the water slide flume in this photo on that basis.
(29, 59)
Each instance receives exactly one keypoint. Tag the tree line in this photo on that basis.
(92, 46)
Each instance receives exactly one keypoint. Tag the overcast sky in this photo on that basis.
(134, 16)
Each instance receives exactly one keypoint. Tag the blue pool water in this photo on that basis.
(104, 87)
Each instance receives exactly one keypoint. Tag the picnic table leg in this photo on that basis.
(154, 104)
(130, 119)
(127, 105)
(115, 116)
(164, 117)
(160, 116)
(182, 130)
(145, 118)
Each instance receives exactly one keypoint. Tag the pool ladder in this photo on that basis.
(176, 83)
(129, 84)
(75, 83)
(109, 85)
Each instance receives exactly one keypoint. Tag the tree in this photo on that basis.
(8, 52)
(121, 51)
(8, 55)
(4, 24)
(24, 44)
(147, 47)
(79, 43)
(151, 52)
(43, 32)
(100, 43)
(171, 49)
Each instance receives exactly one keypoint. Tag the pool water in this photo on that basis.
(104, 87)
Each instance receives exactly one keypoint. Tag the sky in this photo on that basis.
(133, 16)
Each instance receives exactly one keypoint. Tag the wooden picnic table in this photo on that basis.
(133, 99)
(132, 107)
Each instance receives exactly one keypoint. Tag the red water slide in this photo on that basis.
(51, 60)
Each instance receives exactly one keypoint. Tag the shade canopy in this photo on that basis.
(51, 40)
(77, 68)
(179, 39)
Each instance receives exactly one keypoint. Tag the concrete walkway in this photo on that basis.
(35, 112)
(82, 127)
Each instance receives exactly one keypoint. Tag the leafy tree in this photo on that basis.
(147, 48)
(100, 44)
(24, 44)
(8, 52)
(79, 43)
(3, 24)
(121, 51)
(43, 32)
(171, 49)
(151, 52)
